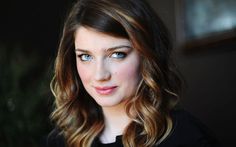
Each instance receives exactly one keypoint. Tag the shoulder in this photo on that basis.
(189, 131)
(54, 139)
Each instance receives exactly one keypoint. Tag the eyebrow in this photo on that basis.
(108, 49)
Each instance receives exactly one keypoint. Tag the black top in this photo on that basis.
(187, 132)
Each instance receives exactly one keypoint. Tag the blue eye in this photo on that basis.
(85, 57)
(118, 55)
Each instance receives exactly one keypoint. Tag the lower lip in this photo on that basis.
(105, 91)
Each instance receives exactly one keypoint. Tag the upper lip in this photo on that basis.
(104, 87)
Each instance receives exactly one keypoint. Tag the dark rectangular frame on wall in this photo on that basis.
(224, 39)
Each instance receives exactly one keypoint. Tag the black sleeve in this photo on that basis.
(188, 131)
(54, 139)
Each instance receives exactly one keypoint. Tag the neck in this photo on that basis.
(116, 120)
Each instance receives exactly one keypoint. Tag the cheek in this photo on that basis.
(128, 73)
(84, 73)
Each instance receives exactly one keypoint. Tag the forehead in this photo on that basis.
(88, 38)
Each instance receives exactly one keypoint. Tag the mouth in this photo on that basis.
(105, 90)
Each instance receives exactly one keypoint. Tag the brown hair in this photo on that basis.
(77, 114)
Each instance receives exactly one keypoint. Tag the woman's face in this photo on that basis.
(109, 67)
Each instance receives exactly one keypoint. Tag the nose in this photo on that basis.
(102, 72)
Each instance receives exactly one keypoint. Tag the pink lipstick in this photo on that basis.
(105, 90)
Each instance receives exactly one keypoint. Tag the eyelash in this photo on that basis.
(122, 54)
(82, 55)
(118, 55)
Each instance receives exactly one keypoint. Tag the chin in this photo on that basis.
(109, 103)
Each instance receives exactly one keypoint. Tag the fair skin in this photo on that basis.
(109, 69)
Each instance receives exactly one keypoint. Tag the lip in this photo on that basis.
(107, 90)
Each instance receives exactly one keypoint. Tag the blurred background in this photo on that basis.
(205, 54)
(29, 35)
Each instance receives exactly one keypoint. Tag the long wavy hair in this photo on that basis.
(78, 116)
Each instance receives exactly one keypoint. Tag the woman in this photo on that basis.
(114, 81)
